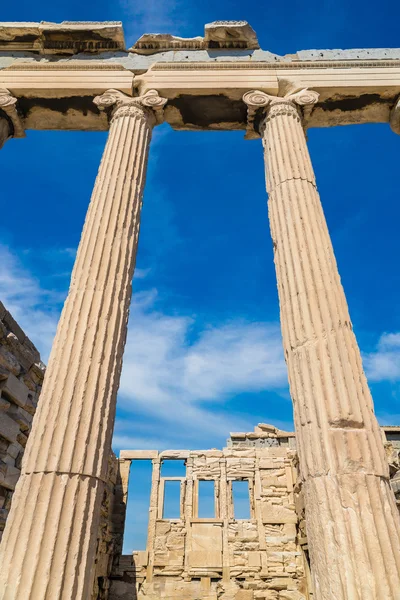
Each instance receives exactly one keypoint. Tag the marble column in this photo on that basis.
(50, 540)
(10, 121)
(353, 525)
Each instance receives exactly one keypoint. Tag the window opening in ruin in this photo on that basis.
(173, 468)
(137, 508)
(241, 499)
(206, 499)
(172, 500)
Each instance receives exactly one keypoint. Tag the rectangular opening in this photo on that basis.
(137, 508)
(173, 468)
(241, 500)
(172, 500)
(206, 500)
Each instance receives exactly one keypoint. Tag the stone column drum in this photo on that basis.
(353, 525)
(49, 544)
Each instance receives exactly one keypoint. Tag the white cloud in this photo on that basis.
(35, 309)
(384, 363)
(181, 380)
(177, 377)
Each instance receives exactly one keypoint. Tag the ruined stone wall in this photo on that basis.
(109, 543)
(21, 378)
(222, 557)
(392, 445)
(264, 557)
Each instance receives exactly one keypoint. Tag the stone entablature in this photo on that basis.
(55, 70)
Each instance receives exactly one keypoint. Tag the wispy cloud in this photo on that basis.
(384, 363)
(34, 308)
(182, 380)
(179, 374)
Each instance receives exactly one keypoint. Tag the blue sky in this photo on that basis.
(204, 354)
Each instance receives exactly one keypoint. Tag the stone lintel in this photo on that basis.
(175, 454)
(138, 454)
(202, 95)
(68, 37)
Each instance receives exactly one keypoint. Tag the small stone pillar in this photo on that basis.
(353, 525)
(50, 540)
(153, 514)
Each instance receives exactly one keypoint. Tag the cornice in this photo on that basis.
(320, 64)
(66, 66)
(92, 65)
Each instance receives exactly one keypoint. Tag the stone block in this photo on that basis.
(13, 326)
(24, 356)
(138, 454)
(230, 34)
(291, 595)
(244, 595)
(14, 389)
(171, 558)
(211, 559)
(21, 416)
(4, 405)
(272, 513)
(9, 362)
(9, 429)
(22, 438)
(141, 558)
(175, 454)
(68, 37)
(31, 403)
(162, 528)
(10, 478)
(254, 559)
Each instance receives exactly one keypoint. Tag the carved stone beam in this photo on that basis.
(259, 102)
(150, 103)
(394, 118)
(11, 125)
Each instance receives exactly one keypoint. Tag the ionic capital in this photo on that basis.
(8, 106)
(149, 106)
(261, 106)
(394, 118)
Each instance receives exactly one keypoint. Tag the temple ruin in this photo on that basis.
(323, 519)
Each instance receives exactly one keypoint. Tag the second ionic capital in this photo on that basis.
(149, 106)
(14, 126)
(261, 106)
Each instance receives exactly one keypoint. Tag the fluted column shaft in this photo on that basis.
(352, 522)
(4, 131)
(50, 540)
